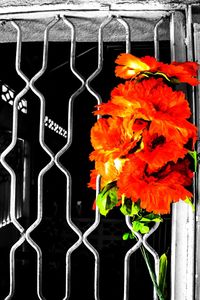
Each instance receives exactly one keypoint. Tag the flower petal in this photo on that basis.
(129, 66)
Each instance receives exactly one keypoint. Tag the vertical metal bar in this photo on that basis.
(26, 179)
(97, 214)
(156, 39)
(127, 219)
(141, 240)
(9, 169)
(128, 256)
(191, 237)
(189, 38)
(153, 253)
(128, 33)
(182, 243)
(100, 61)
(146, 245)
(174, 211)
(62, 151)
(91, 247)
(172, 36)
(190, 54)
(197, 237)
(48, 166)
(14, 133)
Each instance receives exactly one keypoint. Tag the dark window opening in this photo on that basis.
(53, 234)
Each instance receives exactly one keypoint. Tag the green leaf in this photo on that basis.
(194, 156)
(132, 236)
(129, 208)
(125, 236)
(107, 198)
(136, 226)
(128, 235)
(126, 207)
(144, 229)
(140, 227)
(163, 273)
(175, 80)
(189, 201)
(157, 220)
(151, 218)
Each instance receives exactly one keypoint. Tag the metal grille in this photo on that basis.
(71, 231)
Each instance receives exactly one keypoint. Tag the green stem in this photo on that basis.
(152, 274)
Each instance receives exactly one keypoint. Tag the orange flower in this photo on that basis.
(144, 99)
(122, 102)
(184, 168)
(154, 102)
(142, 143)
(155, 191)
(157, 152)
(131, 66)
(179, 130)
(109, 172)
(185, 72)
(113, 138)
(93, 177)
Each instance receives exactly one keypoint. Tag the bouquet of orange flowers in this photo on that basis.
(144, 143)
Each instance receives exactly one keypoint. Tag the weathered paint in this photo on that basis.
(87, 30)
(87, 23)
(5, 3)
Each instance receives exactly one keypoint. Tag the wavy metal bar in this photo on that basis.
(100, 61)
(97, 214)
(62, 151)
(90, 247)
(13, 176)
(48, 166)
(128, 33)
(10, 170)
(127, 218)
(153, 253)
(14, 131)
(128, 256)
(12, 267)
(153, 229)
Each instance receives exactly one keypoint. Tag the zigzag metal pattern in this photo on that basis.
(55, 160)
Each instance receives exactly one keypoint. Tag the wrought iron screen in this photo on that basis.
(55, 246)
